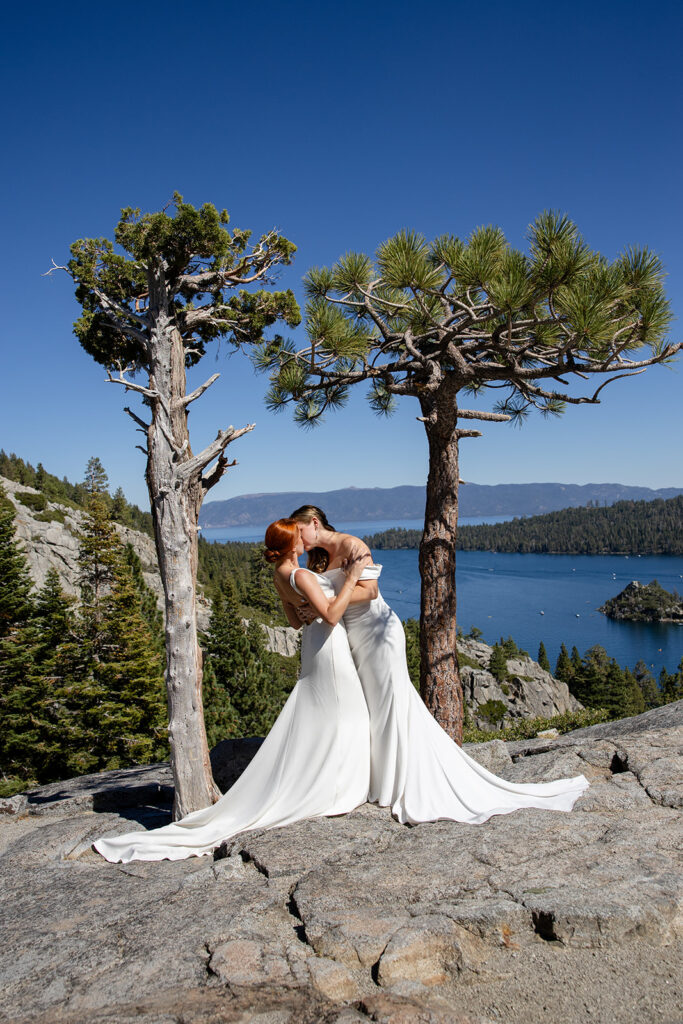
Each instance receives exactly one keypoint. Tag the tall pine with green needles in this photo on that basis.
(468, 318)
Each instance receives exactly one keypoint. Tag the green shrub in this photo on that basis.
(527, 728)
(463, 660)
(493, 711)
(51, 516)
(38, 502)
(10, 787)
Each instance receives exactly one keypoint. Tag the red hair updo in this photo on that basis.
(281, 537)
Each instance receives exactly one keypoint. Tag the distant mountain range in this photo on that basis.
(353, 504)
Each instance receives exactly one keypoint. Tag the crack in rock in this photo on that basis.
(249, 858)
(293, 911)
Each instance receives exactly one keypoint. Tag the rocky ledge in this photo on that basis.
(532, 916)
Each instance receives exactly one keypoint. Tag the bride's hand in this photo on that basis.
(305, 613)
(353, 565)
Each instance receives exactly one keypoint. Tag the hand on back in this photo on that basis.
(355, 562)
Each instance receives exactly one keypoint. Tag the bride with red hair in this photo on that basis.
(316, 758)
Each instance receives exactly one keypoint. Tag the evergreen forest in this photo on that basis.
(625, 528)
(82, 681)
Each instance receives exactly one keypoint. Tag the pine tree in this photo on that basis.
(152, 300)
(498, 666)
(614, 691)
(99, 555)
(243, 668)
(33, 742)
(651, 693)
(17, 646)
(564, 670)
(111, 701)
(593, 679)
(132, 718)
(15, 582)
(261, 593)
(634, 703)
(119, 507)
(220, 718)
(670, 686)
(510, 648)
(542, 658)
(96, 480)
(151, 613)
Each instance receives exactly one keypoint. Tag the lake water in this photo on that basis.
(504, 594)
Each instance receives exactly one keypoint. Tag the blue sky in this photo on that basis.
(339, 124)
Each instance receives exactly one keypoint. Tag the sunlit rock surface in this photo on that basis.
(535, 915)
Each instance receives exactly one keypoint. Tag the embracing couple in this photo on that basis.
(354, 728)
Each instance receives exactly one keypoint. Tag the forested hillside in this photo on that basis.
(63, 491)
(627, 528)
(81, 680)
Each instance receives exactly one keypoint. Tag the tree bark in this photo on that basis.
(175, 504)
(440, 684)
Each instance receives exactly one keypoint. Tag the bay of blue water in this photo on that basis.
(505, 594)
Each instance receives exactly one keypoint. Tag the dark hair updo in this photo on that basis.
(318, 558)
(281, 536)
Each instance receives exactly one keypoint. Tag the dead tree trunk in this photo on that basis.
(175, 498)
(440, 684)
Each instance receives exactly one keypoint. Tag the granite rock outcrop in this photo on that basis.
(535, 915)
(527, 692)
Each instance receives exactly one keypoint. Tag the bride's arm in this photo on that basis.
(331, 611)
(366, 590)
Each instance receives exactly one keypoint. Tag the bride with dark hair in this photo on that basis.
(415, 767)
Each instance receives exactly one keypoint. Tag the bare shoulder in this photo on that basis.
(281, 580)
(349, 543)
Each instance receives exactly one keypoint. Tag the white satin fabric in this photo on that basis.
(348, 733)
(314, 761)
(416, 768)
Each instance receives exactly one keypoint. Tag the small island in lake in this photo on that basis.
(645, 602)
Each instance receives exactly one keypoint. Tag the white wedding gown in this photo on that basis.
(415, 767)
(314, 761)
(337, 743)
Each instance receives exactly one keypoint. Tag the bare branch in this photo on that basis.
(137, 419)
(468, 433)
(199, 462)
(212, 478)
(198, 392)
(129, 385)
(473, 414)
(55, 266)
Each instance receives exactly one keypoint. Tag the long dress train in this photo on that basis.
(314, 761)
(415, 767)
